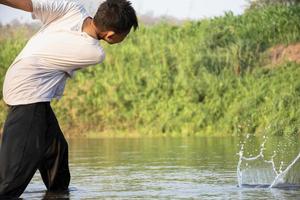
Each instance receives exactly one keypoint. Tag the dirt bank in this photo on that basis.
(283, 53)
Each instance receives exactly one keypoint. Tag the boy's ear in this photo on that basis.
(109, 35)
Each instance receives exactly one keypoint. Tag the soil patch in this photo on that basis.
(284, 53)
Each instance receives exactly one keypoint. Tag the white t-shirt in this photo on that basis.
(53, 54)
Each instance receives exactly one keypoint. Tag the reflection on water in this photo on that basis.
(201, 168)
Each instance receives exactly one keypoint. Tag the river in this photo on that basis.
(163, 168)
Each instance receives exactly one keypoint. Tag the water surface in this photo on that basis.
(164, 168)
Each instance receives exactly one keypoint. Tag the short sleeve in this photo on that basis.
(49, 10)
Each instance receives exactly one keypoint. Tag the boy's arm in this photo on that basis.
(25, 5)
(46, 11)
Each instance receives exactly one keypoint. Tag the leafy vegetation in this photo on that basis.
(253, 4)
(205, 77)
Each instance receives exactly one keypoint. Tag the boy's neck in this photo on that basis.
(89, 28)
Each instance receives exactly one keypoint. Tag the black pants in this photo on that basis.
(32, 139)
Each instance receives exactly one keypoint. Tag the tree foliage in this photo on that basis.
(263, 3)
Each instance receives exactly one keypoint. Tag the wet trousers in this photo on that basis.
(32, 140)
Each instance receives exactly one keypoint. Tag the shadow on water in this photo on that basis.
(44, 195)
(57, 195)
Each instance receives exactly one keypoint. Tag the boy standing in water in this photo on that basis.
(67, 41)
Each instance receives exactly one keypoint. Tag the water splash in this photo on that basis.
(290, 176)
(258, 171)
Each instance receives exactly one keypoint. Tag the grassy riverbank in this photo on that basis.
(211, 77)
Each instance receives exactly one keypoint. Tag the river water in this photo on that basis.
(166, 168)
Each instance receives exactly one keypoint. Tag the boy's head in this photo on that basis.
(114, 20)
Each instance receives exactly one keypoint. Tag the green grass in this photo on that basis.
(201, 78)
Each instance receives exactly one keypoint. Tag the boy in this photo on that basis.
(67, 41)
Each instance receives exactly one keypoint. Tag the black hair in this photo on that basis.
(116, 15)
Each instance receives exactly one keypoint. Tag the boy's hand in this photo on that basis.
(25, 5)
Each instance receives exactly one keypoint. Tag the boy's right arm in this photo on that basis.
(25, 5)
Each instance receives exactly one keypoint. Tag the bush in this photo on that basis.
(202, 77)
